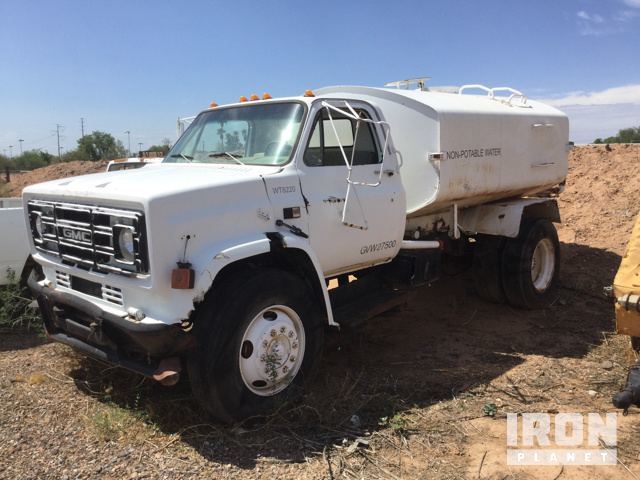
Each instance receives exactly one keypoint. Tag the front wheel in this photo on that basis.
(531, 265)
(256, 345)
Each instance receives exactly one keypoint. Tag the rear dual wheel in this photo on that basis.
(257, 343)
(522, 271)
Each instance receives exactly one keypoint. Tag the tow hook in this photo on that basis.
(168, 371)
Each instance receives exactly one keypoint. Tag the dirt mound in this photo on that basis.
(52, 172)
(601, 198)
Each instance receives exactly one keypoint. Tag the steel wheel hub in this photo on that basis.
(272, 350)
(543, 264)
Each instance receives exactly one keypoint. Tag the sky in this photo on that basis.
(138, 65)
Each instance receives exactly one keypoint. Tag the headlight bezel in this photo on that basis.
(125, 247)
(37, 227)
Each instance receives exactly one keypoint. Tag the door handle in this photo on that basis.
(388, 173)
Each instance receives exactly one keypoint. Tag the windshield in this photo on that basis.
(263, 134)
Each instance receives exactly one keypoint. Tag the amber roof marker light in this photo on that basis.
(213, 105)
(243, 99)
(266, 96)
(309, 93)
(254, 97)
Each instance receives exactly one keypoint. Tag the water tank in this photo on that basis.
(468, 148)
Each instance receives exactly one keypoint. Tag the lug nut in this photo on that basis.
(282, 329)
(273, 333)
(290, 333)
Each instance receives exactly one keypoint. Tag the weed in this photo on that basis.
(489, 409)
(111, 422)
(15, 309)
(397, 423)
(33, 379)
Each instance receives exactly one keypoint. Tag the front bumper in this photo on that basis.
(84, 326)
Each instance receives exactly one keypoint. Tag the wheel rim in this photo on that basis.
(272, 350)
(543, 264)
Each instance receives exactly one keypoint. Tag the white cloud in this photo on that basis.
(628, 94)
(595, 18)
(586, 123)
(616, 22)
(599, 114)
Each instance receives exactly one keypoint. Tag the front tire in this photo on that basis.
(257, 344)
(531, 265)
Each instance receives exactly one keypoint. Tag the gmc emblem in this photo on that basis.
(77, 235)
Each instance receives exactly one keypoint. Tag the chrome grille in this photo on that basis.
(107, 292)
(62, 279)
(112, 294)
(86, 236)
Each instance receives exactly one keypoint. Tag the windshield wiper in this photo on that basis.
(186, 157)
(227, 154)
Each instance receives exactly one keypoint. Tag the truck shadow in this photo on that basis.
(20, 339)
(443, 342)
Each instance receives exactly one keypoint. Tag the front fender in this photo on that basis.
(229, 255)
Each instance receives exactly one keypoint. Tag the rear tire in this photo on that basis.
(257, 343)
(531, 265)
(486, 268)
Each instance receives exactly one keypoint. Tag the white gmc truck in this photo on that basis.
(218, 259)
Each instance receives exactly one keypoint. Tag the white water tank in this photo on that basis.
(467, 148)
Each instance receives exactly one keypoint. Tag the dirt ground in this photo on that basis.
(404, 397)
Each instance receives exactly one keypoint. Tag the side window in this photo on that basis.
(323, 149)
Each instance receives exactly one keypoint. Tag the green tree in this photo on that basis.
(626, 135)
(31, 159)
(100, 146)
(72, 155)
(159, 148)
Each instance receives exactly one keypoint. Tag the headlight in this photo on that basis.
(37, 223)
(125, 242)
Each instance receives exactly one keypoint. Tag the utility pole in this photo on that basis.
(140, 145)
(58, 127)
(128, 142)
(11, 152)
(20, 140)
(82, 126)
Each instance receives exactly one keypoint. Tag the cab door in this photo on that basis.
(356, 215)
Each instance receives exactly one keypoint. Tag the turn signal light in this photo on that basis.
(309, 93)
(266, 96)
(243, 99)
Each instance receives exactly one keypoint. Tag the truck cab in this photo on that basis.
(217, 261)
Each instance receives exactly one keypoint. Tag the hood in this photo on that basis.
(152, 181)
